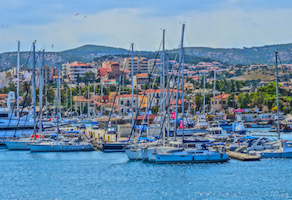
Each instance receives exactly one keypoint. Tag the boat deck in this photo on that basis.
(242, 156)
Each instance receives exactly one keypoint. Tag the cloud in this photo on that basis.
(221, 26)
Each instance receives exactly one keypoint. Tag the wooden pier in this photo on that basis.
(242, 156)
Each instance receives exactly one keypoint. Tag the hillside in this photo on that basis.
(253, 55)
(86, 53)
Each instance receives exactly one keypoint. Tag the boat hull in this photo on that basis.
(190, 132)
(134, 154)
(61, 148)
(276, 155)
(16, 145)
(173, 158)
(113, 147)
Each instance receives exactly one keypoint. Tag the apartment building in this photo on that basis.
(71, 71)
(140, 65)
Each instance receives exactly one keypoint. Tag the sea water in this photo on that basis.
(97, 175)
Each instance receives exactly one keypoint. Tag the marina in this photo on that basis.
(191, 108)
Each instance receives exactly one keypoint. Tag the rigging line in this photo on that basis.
(168, 100)
(284, 70)
(168, 41)
(179, 68)
(117, 89)
(149, 74)
(169, 97)
(188, 37)
(17, 100)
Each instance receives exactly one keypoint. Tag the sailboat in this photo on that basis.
(285, 149)
(23, 143)
(189, 155)
(61, 145)
(143, 150)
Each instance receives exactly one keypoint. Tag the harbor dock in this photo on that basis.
(242, 156)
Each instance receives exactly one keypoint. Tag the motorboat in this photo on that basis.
(216, 132)
(284, 151)
(257, 144)
(201, 122)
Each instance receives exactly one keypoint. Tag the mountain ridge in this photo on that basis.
(86, 53)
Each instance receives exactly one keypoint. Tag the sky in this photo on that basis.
(59, 25)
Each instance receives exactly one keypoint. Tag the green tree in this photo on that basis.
(231, 100)
(89, 77)
(199, 102)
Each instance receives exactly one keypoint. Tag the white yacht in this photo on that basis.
(9, 120)
(201, 122)
(216, 132)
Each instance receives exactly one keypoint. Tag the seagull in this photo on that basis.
(76, 14)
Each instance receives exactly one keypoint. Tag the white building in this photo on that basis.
(71, 71)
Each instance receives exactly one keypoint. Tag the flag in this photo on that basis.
(181, 124)
(173, 115)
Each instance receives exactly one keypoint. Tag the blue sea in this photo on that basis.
(98, 175)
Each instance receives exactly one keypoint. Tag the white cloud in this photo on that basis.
(119, 27)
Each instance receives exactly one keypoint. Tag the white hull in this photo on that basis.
(18, 145)
(134, 154)
(60, 147)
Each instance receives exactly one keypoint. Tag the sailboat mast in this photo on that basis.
(71, 100)
(94, 86)
(46, 83)
(88, 95)
(101, 94)
(182, 77)
(167, 95)
(119, 102)
(40, 93)
(277, 93)
(18, 65)
(58, 98)
(162, 104)
(132, 77)
(177, 98)
(214, 90)
(34, 90)
(204, 92)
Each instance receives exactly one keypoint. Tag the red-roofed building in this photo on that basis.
(3, 98)
(157, 94)
(221, 101)
(141, 79)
